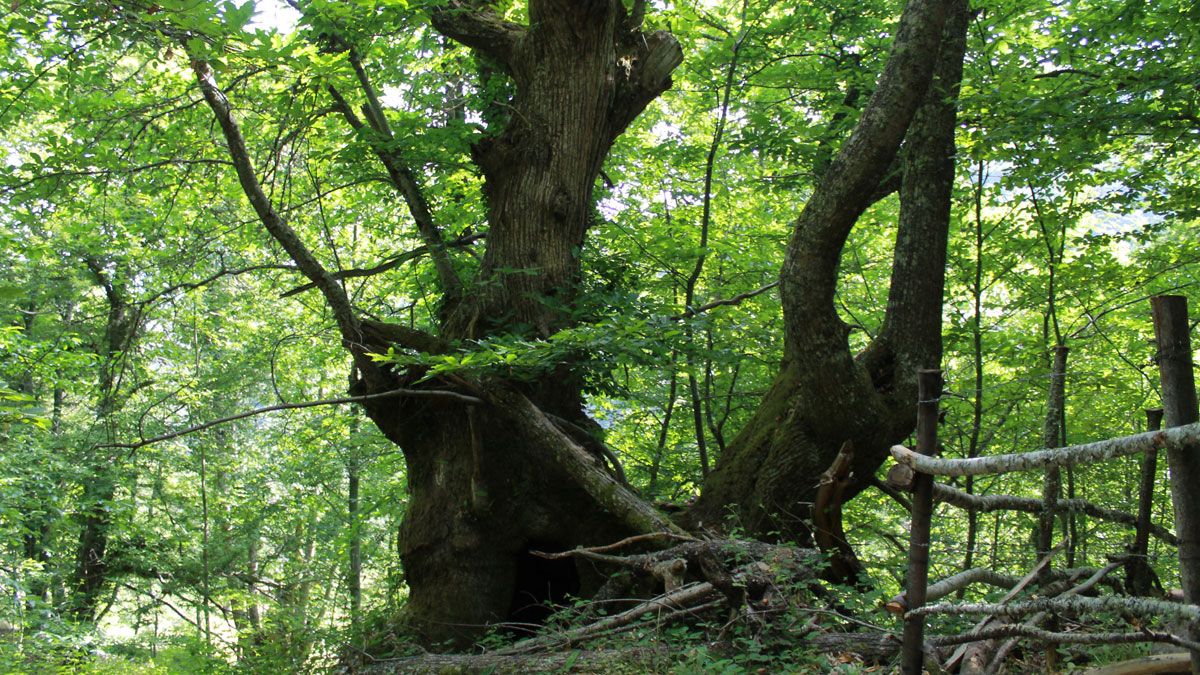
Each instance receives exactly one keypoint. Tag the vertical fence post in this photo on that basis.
(929, 390)
(1137, 571)
(1052, 437)
(1171, 331)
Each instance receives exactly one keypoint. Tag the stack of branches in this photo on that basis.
(1070, 596)
(723, 583)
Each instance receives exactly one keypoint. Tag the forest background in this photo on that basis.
(141, 295)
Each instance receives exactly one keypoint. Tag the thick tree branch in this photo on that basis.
(951, 584)
(404, 182)
(809, 273)
(381, 335)
(547, 439)
(913, 320)
(335, 295)
(480, 28)
(651, 59)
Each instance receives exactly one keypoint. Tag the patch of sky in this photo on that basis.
(274, 15)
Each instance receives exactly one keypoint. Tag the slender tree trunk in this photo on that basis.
(354, 574)
(973, 448)
(91, 564)
(1052, 485)
(665, 425)
(1138, 575)
(1176, 373)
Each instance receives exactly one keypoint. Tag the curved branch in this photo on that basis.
(809, 274)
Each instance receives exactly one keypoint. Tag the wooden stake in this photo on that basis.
(1176, 374)
(1137, 572)
(929, 389)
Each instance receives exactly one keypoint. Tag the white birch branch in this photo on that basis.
(1040, 459)
(1012, 630)
(1143, 607)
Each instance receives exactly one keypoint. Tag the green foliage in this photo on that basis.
(120, 215)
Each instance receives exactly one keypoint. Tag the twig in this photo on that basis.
(613, 546)
(682, 600)
(414, 393)
(725, 302)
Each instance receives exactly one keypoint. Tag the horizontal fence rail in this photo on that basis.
(1175, 437)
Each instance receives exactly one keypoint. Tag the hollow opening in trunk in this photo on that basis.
(542, 585)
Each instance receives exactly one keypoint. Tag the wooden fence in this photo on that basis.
(915, 470)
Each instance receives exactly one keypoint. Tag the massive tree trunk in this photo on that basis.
(483, 493)
(489, 483)
(824, 395)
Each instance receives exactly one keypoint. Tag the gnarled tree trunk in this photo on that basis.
(489, 481)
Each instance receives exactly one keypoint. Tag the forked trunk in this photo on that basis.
(767, 479)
